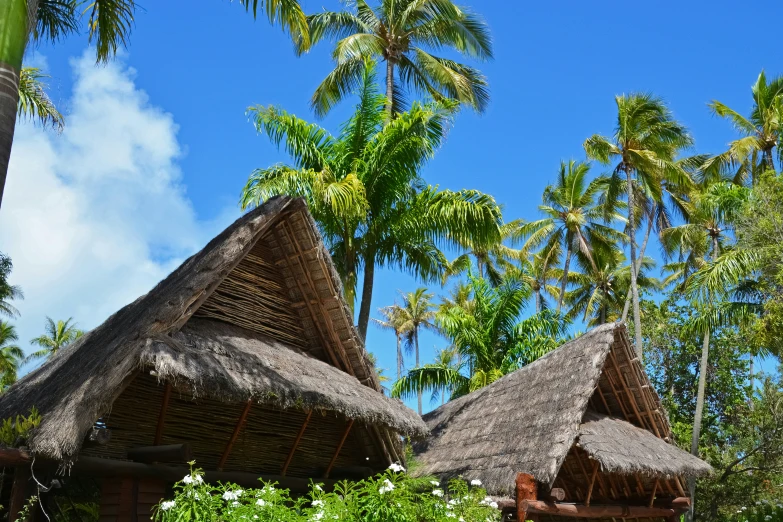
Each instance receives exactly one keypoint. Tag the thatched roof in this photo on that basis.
(268, 273)
(621, 447)
(528, 420)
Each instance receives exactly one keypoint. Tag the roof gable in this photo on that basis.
(79, 384)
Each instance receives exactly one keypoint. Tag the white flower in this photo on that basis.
(475, 482)
(387, 486)
(168, 505)
(198, 479)
(318, 487)
(232, 495)
(451, 515)
(317, 503)
(235, 503)
(397, 468)
(435, 483)
(187, 479)
(437, 492)
(493, 505)
(318, 516)
(768, 517)
(461, 519)
(261, 502)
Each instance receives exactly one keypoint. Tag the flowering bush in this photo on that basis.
(391, 496)
(761, 511)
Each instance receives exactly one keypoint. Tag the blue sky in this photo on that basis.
(196, 67)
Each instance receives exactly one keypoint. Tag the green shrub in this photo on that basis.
(15, 431)
(761, 511)
(391, 496)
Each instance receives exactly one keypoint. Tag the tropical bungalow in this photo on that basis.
(244, 359)
(579, 433)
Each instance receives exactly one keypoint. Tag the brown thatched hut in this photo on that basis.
(245, 359)
(578, 433)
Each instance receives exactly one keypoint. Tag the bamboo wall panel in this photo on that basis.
(207, 425)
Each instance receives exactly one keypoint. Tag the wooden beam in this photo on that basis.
(10, 457)
(527, 491)
(654, 491)
(296, 443)
(169, 453)
(164, 405)
(339, 447)
(235, 435)
(19, 491)
(540, 507)
(592, 483)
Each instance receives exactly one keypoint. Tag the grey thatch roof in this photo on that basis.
(528, 420)
(79, 384)
(620, 447)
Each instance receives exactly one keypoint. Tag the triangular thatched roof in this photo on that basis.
(257, 314)
(529, 420)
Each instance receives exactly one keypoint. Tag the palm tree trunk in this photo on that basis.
(768, 157)
(416, 339)
(564, 281)
(538, 299)
(700, 393)
(638, 266)
(367, 285)
(15, 23)
(389, 90)
(637, 321)
(399, 356)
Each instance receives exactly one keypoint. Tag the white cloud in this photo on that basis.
(95, 217)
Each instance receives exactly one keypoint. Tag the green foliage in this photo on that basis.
(391, 496)
(58, 335)
(34, 102)
(761, 511)
(399, 33)
(485, 325)
(15, 431)
(8, 292)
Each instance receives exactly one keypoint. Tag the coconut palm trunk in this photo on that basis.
(637, 322)
(701, 391)
(399, 354)
(638, 266)
(389, 89)
(416, 340)
(564, 281)
(367, 286)
(15, 29)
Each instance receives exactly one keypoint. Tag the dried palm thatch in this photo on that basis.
(621, 447)
(273, 263)
(528, 420)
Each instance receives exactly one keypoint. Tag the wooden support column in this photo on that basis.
(592, 483)
(235, 435)
(339, 448)
(19, 491)
(164, 405)
(527, 490)
(296, 443)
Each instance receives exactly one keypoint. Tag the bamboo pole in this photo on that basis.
(296, 443)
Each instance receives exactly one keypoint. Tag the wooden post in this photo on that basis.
(526, 490)
(235, 435)
(164, 405)
(339, 447)
(296, 443)
(592, 483)
(19, 491)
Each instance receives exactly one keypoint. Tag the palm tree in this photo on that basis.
(11, 355)
(34, 102)
(364, 190)
(109, 22)
(397, 33)
(645, 143)
(8, 292)
(710, 214)
(574, 219)
(58, 336)
(450, 360)
(762, 131)
(491, 260)
(418, 312)
(599, 291)
(491, 337)
(394, 319)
